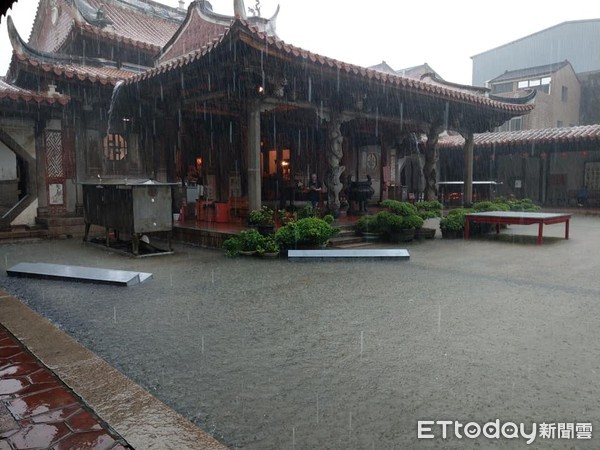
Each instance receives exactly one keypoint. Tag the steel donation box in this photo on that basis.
(130, 209)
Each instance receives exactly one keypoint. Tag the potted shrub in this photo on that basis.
(369, 227)
(399, 228)
(431, 209)
(249, 241)
(262, 219)
(232, 246)
(453, 224)
(268, 248)
(310, 232)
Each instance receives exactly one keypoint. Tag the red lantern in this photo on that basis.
(563, 154)
(543, 155)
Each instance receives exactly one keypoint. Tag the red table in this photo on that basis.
(518, 218)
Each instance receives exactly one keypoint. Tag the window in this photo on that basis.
(502, 88)
(564, 94)
(115, 147)
(546, 80)
(523, 84)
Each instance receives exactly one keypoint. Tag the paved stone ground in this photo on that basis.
(271, 354)
(38, 411)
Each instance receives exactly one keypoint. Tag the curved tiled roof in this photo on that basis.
(141, 24)
(260, 40)
(146, 30)
(90, 69)
(102, 75)
(12, 92)
(527, 137)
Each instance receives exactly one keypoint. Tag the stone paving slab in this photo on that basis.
(37, 410)
(58, 395)
(78, 273)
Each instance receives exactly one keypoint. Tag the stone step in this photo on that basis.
(363, 244)
(345, 240)
(22, 233)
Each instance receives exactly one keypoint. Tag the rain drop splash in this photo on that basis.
(213, 276)
(114, 314)
(309, 89)
(439, 318)
(293, 437)
(202, 345)
(362, 337)
(317, 408)
(446, 115)
(171, 278)
(6, 261)
(350, 425)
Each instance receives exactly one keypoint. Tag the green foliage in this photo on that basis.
(400, 208)
(455, 219)
(328, 218)
(523, 205)
(513, 204)
(306, 211)
(307, 231)
(429, 209)
(268, 245)
(490, 206)
(232, 246)
(369, 224)
(413, 221)
(390, 223)
(250, 240)
(263, 216)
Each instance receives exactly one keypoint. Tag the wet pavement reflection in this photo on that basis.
(38, 411)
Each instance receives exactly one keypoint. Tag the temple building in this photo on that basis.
(127, 91)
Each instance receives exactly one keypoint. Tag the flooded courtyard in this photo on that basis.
(267, 354)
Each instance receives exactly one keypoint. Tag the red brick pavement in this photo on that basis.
(38, 411)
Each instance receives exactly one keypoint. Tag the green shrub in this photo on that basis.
(262, 216)
(524, 205)
(232, 246)
(268, 245)
(306, 211)
(250, 240)
(413, 221)
(455, 219)
(400, 208)
(369, 224)
(328, 218)
(429, 209)
(307, 231)
(490, 206)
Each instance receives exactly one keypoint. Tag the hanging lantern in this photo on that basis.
(563, 154)
(543, 155)
(525, 155)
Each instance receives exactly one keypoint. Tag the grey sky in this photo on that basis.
(443, 33)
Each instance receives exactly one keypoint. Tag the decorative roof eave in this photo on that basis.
(585, 133)
(73, 72)
(69, 67)
(259, 40)
(256, 39)
(10, 92)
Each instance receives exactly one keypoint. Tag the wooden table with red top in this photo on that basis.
(518, 218)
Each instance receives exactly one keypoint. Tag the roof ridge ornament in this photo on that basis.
(239, 10)
(256, 10)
